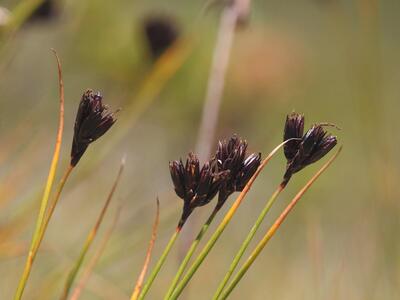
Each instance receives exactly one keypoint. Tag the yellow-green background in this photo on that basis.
(335, 61)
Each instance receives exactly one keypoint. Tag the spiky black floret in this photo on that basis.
(314, 145)
(197, 187)
(294, 129)
(93, 119)
(231, 157)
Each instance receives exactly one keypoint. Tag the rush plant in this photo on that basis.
(231, 169)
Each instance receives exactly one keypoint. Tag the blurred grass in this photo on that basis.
(333, 60)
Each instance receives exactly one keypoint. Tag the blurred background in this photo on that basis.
(335, 61)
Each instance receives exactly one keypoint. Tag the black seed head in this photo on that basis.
(294, 128)
(317, 143)
(93, 119)
(231, 157)
(161, 32)
(250, 166)
(314, 145)
(197, 187)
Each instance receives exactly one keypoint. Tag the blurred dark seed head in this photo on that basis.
(231, 157)
(314, 145)
(161, 33)
(93, 119)
(47, 10)
(197, 187)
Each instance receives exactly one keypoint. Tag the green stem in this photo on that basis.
(203, 254)
(53, 205)
(272, 230)
(248, 239)
(190, 253)
(74, 271)
(38, 237)
(47, 190)
(159, 264)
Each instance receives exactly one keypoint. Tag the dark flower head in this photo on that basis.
(197, 187)
(93, 119)
(161, 33)
(314, 145)
(294, 128)
(231, 156)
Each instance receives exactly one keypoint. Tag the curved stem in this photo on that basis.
(46, 195)
(190, 253)
(159, 264)
(272, 230)
(248, 239)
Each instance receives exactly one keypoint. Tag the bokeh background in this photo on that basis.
(334, 61)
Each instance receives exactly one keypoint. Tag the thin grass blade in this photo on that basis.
(91, 236)
(89, 269)
(140, 279)
(47, 189)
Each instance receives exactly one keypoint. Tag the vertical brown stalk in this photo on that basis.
(233, 12)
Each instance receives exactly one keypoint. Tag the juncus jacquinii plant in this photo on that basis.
(232, 157)
(273, 229)
(92, 121)
(222, 226)
(300, 151)
(237, 168)
(196, 187)
(312, 146)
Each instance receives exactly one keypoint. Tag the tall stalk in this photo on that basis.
(190, 253)
(159, 264)
(248, 239)
(53, 205)
(46, 195)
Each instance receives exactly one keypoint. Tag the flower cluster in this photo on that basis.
(197, 187)
(231, 157)
(227, 172)
(305, 149)
(231, 168)
(93, 119)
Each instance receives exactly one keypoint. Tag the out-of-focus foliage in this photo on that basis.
(335, 61)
